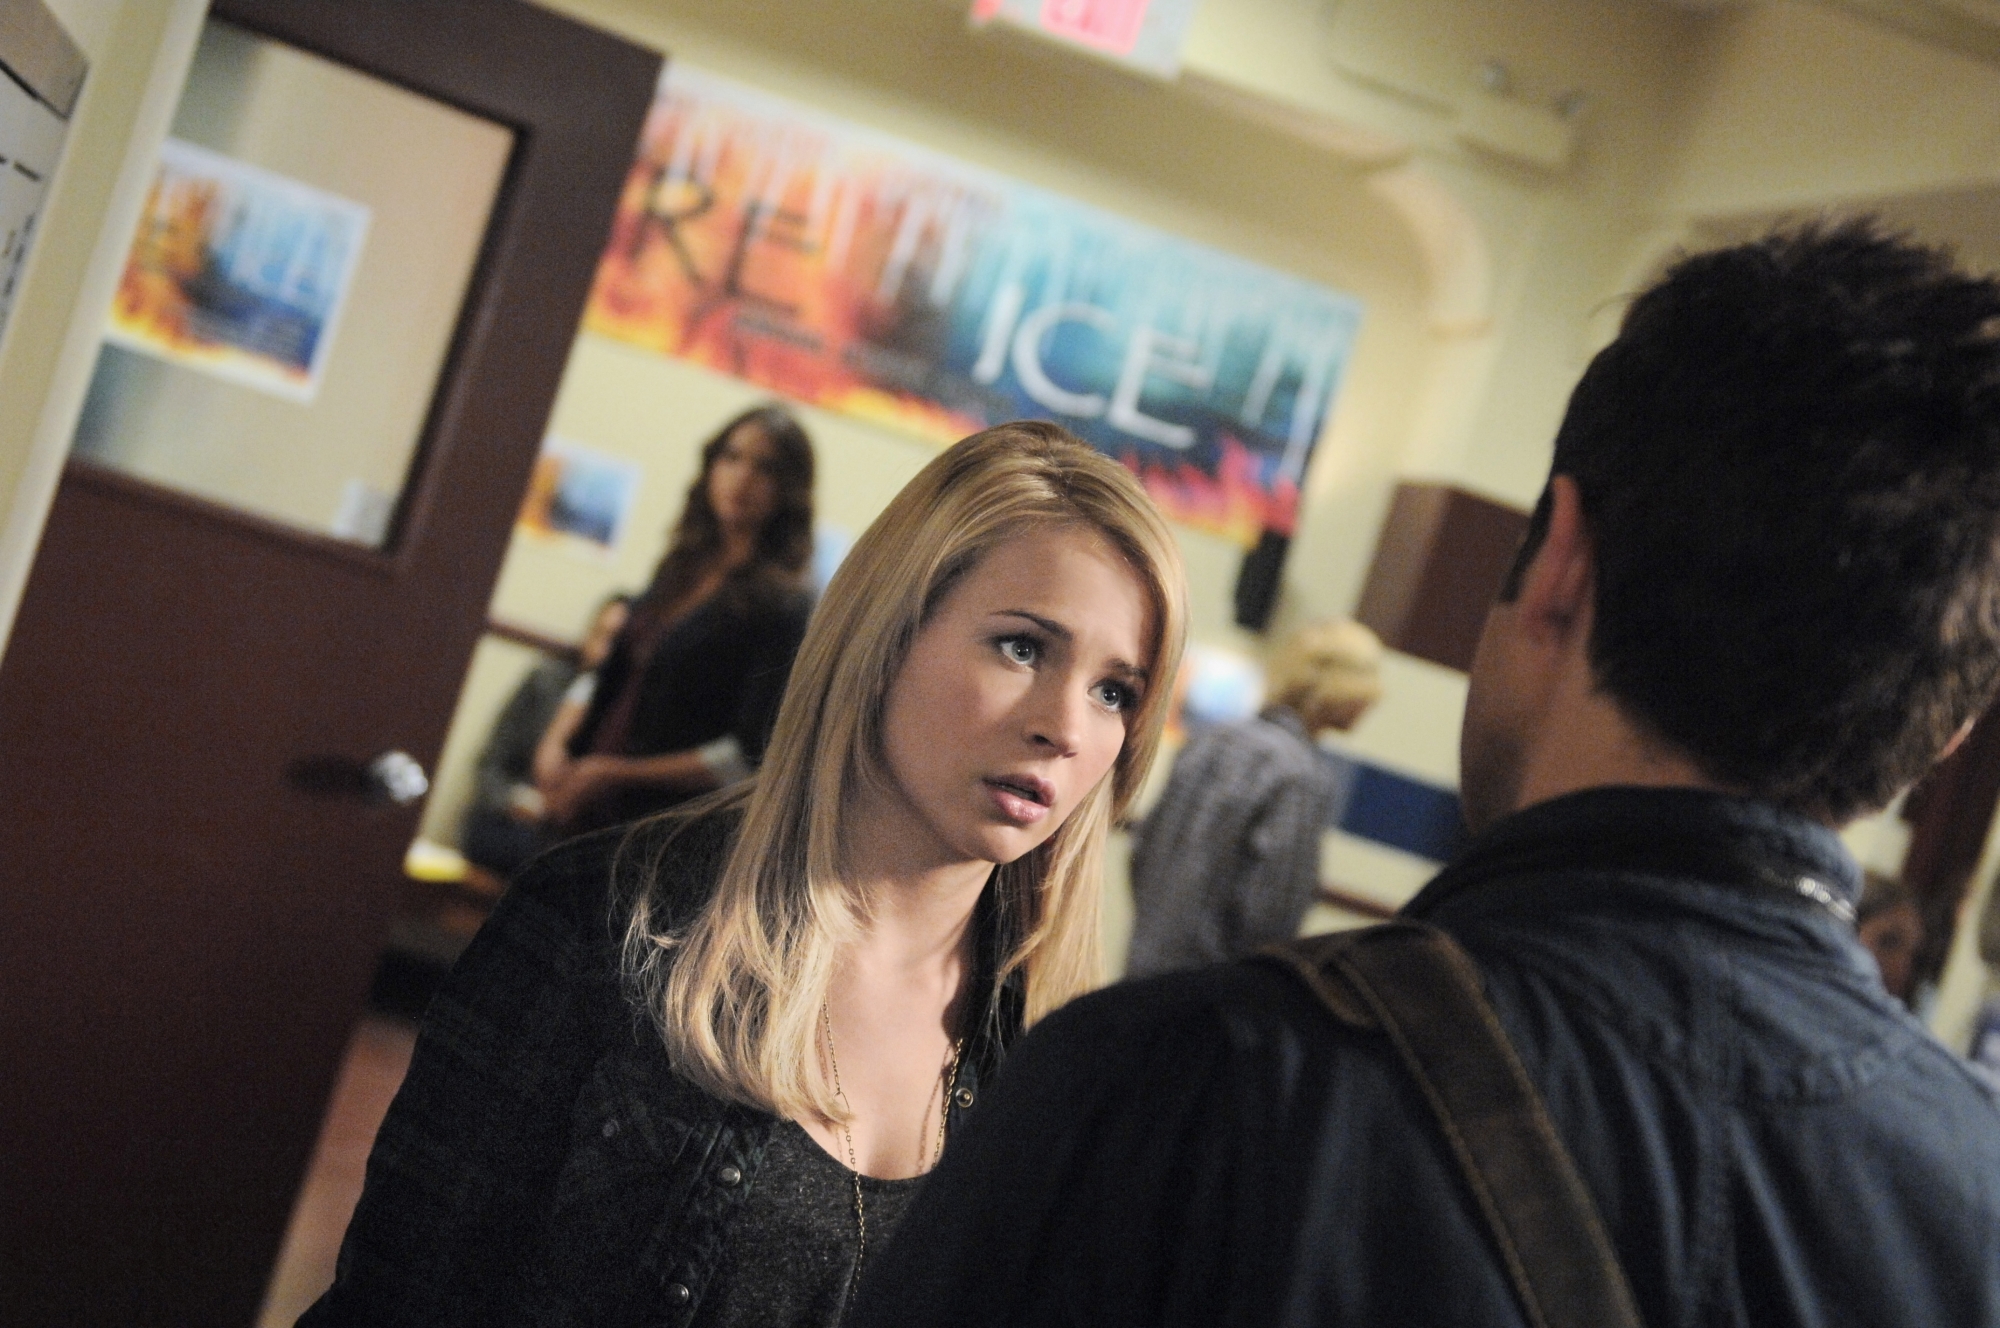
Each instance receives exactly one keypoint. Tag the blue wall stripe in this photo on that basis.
(1396, 810)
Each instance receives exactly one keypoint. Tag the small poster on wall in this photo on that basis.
(579, 498)
(238, 272)
(861, 273)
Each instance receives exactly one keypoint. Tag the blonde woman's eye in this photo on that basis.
(1020, 649)
(1115, 696)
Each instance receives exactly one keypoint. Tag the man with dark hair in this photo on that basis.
(1760, 595)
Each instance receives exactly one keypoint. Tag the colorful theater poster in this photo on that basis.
(854, 271)
(237, 272)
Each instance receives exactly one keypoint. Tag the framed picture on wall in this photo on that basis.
(238, 272)
(580, 498)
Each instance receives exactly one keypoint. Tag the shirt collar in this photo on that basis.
(1695, 834)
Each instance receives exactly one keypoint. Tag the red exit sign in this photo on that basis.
(1144, 34)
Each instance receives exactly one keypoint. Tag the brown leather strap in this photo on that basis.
(1415, 984)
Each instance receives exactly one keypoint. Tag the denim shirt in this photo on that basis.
(1770, 1138)
(543, 1163)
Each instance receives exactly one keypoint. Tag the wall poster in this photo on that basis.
(579, 497)
(854, 271)
(237, 272)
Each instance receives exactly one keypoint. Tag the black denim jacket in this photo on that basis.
(1771, 1140)
(543, 1164)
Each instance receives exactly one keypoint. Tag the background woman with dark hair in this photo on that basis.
(685, 701)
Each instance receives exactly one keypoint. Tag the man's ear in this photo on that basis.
(1556, 594)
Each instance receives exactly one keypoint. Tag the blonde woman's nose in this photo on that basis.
(1056, 720)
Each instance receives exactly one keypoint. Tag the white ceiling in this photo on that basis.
(1970, 27)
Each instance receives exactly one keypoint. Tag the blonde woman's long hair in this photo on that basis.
(737, 992)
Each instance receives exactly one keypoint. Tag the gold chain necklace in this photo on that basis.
(948, 1081)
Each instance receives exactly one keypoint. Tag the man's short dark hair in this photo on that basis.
(1789, 462)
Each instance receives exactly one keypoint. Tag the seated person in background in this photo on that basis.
(1888, 924)
(500, 831)
(685, 701)
(1229, 859)
(1759, 597)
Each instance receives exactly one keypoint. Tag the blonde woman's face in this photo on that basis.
(1016, 696)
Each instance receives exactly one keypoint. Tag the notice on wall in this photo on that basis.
(238, 272)
(41, 73)
(861, 273)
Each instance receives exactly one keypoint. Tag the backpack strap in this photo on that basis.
(1413, 983)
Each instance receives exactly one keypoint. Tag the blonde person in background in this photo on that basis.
(1229, 859)
(691, 1073)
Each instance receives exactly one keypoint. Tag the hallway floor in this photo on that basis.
(376, 1061)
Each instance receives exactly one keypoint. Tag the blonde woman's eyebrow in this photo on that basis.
(1049, 625)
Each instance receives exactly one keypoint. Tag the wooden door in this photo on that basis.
(187, 920)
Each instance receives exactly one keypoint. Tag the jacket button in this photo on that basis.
(678, 1294)
(730, 1177)
(964, 1098)
(610, 1128)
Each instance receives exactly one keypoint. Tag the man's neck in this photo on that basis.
(1589, 741)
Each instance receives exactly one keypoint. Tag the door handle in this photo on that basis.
(394, 778)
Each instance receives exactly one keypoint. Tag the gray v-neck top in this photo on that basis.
(792, 1248)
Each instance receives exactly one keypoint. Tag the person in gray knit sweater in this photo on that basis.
(1227, 861)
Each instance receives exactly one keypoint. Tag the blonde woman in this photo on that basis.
(690, 1076)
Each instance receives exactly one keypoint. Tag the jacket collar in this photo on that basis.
(1716, 839)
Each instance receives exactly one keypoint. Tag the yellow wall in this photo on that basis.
(1477, 272)
(1148, 152)
(1351, 144)
(1434, 238)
